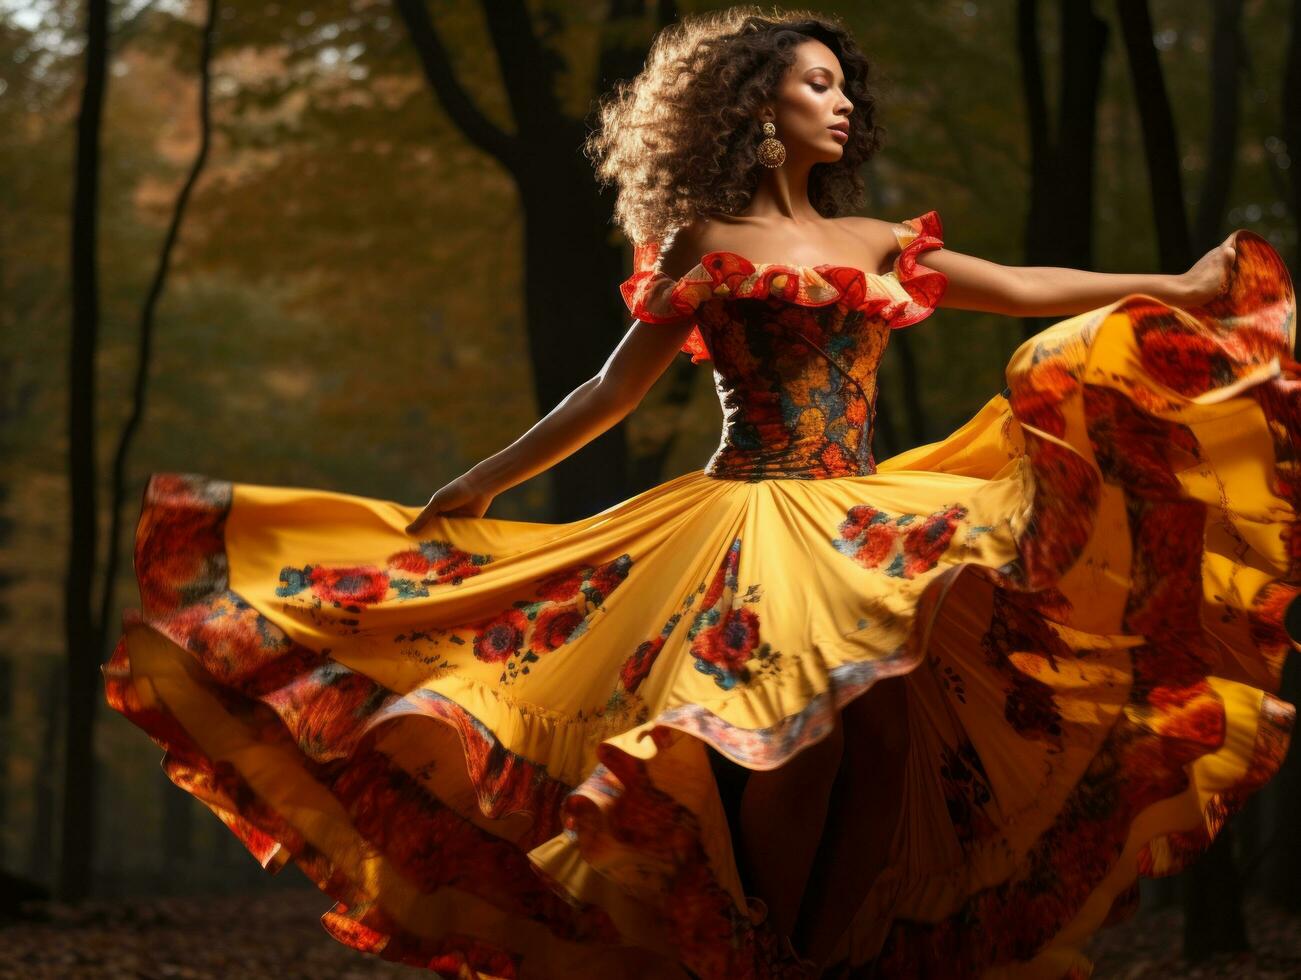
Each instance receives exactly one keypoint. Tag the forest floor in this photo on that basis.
(278, 935)
(1147, 947)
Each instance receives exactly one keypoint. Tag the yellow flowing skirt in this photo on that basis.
(489, 743)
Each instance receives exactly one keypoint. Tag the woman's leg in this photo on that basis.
(859, 827)
(782, 813)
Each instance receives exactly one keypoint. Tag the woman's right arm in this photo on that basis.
(586, 412)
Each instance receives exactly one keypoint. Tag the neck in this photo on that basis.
(783, 193)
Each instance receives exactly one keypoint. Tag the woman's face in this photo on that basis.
(809, 103)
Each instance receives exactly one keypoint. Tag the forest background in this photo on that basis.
(353, 245)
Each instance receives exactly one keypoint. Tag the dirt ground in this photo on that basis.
(278, 935)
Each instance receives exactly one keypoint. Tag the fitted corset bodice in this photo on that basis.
(797, 387)
(795, 348)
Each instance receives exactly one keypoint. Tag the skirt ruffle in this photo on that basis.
(491, 745)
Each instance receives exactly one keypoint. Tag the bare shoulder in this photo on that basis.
(877, 237)
(683, 251)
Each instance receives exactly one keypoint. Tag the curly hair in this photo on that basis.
(680, 138)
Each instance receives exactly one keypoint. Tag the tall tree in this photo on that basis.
(1059, 221)
(1292, 126)
(1160, 142)
(79, 815)
(1227, 63)
(41, 854)
(84, 637)
(565, 219)
(6, 741)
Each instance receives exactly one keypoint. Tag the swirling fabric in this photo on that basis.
(488, 743)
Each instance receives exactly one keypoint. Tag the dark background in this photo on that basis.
(354, 245)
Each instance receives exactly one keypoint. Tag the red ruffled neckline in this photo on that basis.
(654, 297)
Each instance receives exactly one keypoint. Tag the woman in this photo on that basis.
(965, 697)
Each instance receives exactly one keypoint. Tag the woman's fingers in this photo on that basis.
(1230, 253)
(423, 517)
(459, 498)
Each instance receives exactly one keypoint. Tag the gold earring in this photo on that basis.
(772, 151)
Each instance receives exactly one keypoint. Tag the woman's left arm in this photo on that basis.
(978, 284)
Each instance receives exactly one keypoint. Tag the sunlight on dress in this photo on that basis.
(489, 742)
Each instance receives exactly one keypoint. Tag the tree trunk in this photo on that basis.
(1292, 127)
(43, 858)
(1160, 142)
(82, 635)
(1222, 144)
(623, 53)
(1083, 45)
(572, 322)
(7, 731)
(1213, 921)
(1059, 220)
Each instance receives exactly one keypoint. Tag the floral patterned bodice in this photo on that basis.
(795, 349)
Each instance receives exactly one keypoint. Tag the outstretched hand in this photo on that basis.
(460, 498)
(1210, 275)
